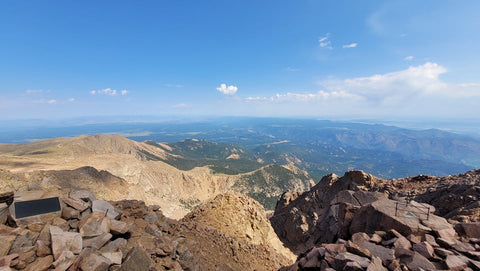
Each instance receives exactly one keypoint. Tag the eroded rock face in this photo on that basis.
(325, 212)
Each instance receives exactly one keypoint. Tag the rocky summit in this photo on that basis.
(353, 222)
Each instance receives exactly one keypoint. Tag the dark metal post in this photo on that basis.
(428, 212)
(396, 208)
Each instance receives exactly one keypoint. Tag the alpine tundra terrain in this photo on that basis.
(176, 177)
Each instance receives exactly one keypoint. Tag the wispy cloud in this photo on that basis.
(71, 99)
(227, 90)
(409, 58)
(351, 45)
(52, 101)
(303, 97)
(324, 42)
(109, 92)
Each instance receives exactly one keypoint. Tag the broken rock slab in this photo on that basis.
(136, 259)
(65, 241)
(94, 225)
(106, 208)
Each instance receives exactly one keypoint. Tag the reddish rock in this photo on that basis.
(97, 242)
(455, 263)
(41, 264)
(43, 249)
(376, 265)
(136, 259)
(469, 230)
(417, 262)
(94, 225)
(343, 258)
(425, 249)
(95, 262)
(77, 204)
(63, 241)
(64, 261)
(69, 213)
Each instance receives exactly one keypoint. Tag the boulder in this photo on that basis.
(106, 208)
(469, 230)
(6, 244)
(417, 262)
(425, 249)
(69, 213)
(119, 227)
(83, 195)
(94, 224)
(43, 249)
(114, 257)
(136, 259)
(77, 204)
(98, 241)
(64, 261)
(343, 258)
(65, 241)
(95, 262)
(455, 263)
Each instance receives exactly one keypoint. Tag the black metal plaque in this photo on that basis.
(36, 207)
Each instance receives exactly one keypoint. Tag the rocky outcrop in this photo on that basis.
(392, 251)
(324, 213)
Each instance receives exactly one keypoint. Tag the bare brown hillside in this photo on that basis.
(136, 163)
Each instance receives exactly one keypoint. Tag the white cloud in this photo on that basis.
(71, 99)
(228, 90)
(409, 58)
(351, 45)
(324, 42)
(402, 86)
(109, 92)
(53, 101)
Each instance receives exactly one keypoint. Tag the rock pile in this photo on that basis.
(390, 250)
(92, 234)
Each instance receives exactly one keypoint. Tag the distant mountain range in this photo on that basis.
(318, 146)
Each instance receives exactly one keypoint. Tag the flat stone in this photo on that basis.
(352, 266)
(42, 263)
(342, 258)
(442, 252)
(94, 225)
(83, 195)
(114, 257)
(417, 262)
(65, 260)
(61, 223)
(77, 204)
(118, 227)
(24, 242)
(425, 249)
(6, 244)
(95, 262)
(69, 213)
(376, 238)
(106, 208)
(355, 249)
(386, 254)
(65, 241)
(98, 241)
(463, 247)
(441, 227)
(36, 227)
(469, 230)
(445, 243)
(114, 246)
(43, 249)
(376, 265)
(402, 242)
(431, 240)
(27, 257)
(137, 259)
(455, 263)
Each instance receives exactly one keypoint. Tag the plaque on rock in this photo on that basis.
(36, 207)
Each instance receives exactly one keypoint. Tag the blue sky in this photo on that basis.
(326, 59)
